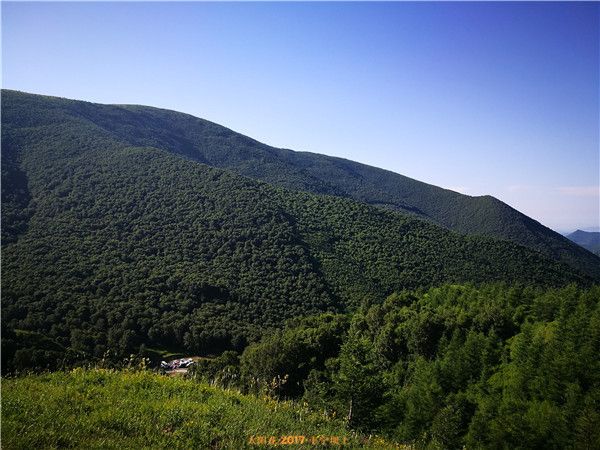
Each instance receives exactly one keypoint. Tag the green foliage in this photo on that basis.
(292, 354)
(212, 144)
(108, 409)
(110, 247)
(492, 366)
(192, 262)
(27, 350)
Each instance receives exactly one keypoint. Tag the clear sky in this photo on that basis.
(483, 98)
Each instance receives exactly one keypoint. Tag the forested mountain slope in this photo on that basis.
(218, 146)
(108, 246)
(589, 240)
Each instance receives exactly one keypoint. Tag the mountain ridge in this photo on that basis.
(218, 146)
(135, 244)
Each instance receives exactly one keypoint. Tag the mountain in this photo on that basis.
(218, 146)
(110, 244)
(587, 239)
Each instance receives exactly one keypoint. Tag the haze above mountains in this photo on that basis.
(146, 225)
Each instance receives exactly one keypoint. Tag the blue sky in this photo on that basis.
(483, 98)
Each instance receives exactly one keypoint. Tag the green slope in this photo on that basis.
(130, 410)
(109, 246)
(220, 147)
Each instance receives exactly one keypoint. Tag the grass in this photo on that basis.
(98, 408)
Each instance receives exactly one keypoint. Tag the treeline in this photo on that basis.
(132, 247)
(108, 248)
(493, 366)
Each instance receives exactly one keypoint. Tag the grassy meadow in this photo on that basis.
(98, 408)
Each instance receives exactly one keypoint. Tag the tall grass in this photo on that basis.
(100, 408)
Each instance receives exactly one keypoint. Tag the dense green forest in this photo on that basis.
(458, 366)
(494, 366)
(110, 248)
(212, 144)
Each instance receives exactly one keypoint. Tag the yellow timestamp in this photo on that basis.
(297, 440)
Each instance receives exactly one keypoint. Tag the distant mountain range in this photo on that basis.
(589, 240)
(125, 225)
